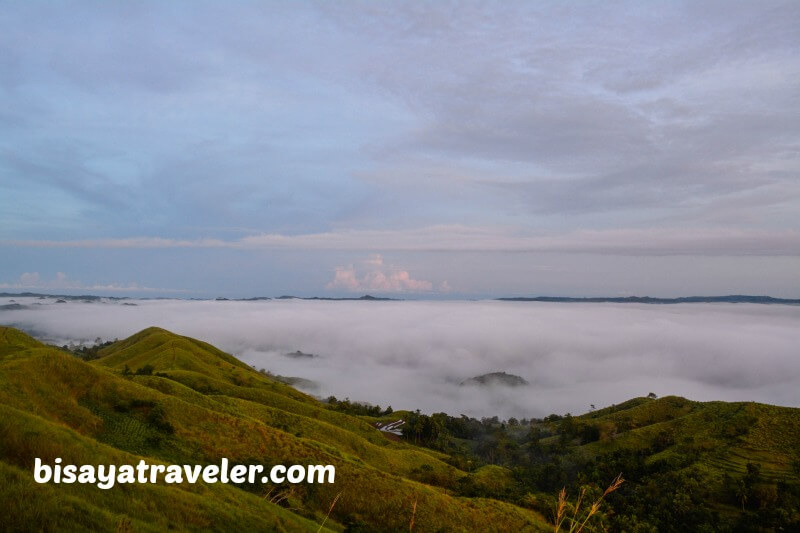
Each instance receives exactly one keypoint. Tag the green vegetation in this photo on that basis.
(688, 466)
(171, 399)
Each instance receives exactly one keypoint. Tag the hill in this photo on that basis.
(171, 399)
(495, 378)
(689, 466)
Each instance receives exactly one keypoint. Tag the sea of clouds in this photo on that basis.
(414, 354)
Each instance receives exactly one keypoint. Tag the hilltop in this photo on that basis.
(168, 398)
(689, 466)
(496, 378)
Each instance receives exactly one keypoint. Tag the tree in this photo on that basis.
(146, 370)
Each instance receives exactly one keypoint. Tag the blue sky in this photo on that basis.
(423, 149)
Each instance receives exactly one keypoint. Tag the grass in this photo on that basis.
(582, 511)
(198, 406)
(724, 436)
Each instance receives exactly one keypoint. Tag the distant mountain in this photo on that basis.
(734, 299)
(496, 378)
(300, 355)
(83, 297)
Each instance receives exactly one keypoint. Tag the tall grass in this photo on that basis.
(333, 504)
(580, 516)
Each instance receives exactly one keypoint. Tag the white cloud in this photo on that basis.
(375, 276)
(29, 279)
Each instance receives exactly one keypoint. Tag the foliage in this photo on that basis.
(357, 408)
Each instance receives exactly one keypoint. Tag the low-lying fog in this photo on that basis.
(413, 355)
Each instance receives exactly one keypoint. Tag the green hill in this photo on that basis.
(723, 436)
(169, 399)
(190, 403)
(690, 466)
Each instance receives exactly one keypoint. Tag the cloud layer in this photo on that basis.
(227, 135)
(414, 354)
(458, 238)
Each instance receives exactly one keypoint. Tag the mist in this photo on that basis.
(414, 354)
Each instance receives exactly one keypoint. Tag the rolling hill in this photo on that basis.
(169, 399)
(172, 399)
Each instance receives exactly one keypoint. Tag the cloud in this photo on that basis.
(405, 127)
(587, 118)
(127, 242)
(374, 278)
(33, 280)
(29, 279)
(413, 354)
(374, 260)
(455, 238)
(306, 109)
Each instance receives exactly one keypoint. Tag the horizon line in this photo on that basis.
(646, 299)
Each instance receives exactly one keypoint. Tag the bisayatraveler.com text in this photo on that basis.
(106, 476)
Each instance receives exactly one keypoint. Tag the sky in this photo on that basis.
(415, 354)
(435, 150)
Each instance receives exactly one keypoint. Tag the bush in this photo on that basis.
(146, 370)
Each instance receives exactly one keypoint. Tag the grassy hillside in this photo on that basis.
(172, 399)
(689, 466)
(724, 437)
